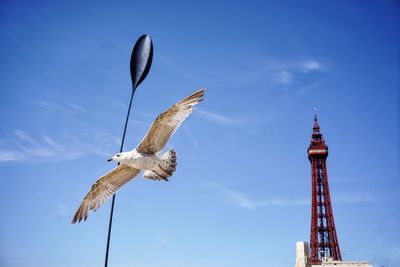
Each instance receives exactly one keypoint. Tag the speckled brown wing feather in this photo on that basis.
(167, 122)
(104, 188)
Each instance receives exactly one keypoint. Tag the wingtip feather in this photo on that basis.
(81, 213)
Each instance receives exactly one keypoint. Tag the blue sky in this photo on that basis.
(241, 193)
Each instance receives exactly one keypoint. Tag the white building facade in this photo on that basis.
(303, 259)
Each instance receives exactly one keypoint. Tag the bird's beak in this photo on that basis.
(109, 160)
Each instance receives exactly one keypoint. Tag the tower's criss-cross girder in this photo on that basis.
(323, 238)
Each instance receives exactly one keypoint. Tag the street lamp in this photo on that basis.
(141, 58)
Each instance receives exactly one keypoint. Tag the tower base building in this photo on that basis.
(303, 259)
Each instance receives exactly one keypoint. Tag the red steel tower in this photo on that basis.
(323, 238)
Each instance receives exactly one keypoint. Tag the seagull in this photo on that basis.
(145, 157)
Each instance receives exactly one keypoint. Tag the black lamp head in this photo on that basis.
(142, 56)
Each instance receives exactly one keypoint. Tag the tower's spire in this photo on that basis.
(316, 135)
(316, 124)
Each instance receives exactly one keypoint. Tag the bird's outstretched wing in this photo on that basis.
(104, 187)
(167, 122)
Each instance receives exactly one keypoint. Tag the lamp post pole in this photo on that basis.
(141, 59)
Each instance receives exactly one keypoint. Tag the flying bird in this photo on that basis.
(145, 157)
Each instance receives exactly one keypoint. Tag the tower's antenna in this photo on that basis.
(315, 113)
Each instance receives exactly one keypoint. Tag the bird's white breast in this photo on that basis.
(142, 162)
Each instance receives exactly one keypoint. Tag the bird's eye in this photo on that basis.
(117, 155)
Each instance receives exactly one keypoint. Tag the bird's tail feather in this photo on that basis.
(164, 170)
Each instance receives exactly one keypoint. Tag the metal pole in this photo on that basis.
(113, 198)
(141, 59)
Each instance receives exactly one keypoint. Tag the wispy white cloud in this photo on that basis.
(355, 198)
(62, 141)
(53, 143)
(163, 240)
(243, 200)
(311, 65)
(218, 118)
(77, 107)
(63, 108)
(305, 65)
(346, 180)
(240, 199)
(283, 77)
(79, 110)
(10, 155)
(50, 105)
(27, 144)
(61, 211)
(37, 151)
(25, 137)
(193, 138)
(285, 73)
(185, 71)
(26, 147)
(275, 71)
(112, 102)
(69, 109)
(305, 89)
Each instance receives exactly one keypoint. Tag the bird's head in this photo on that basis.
(120, 157)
